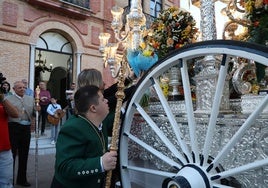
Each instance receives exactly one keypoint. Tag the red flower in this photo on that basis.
(256, 23)
(265, 2)
(177, 45)
(155, 44)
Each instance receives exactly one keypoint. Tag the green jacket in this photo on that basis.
(78, 152)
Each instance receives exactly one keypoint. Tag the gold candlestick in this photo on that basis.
(37, 95)
(120, 95)
(37, 99)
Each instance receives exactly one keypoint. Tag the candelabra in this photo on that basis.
(129, 38)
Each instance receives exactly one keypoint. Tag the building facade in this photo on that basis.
(53, 40)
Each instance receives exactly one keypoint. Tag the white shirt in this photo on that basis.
(52, 108)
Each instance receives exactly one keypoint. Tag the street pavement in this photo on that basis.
(40, 164)
(45, 171)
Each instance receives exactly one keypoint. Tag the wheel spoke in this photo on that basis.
(189, 109)
(160, 133)
(215, 107)
(171, 119)
(216, 185)
(240, 169)
(150, 171)
(154, 151)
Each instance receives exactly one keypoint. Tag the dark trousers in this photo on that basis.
(56, 184)
(20, 137)
(43, 114)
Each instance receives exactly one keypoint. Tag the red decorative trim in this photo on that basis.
(81, 27)
(32, 15)
(10, 14)
(95, 31)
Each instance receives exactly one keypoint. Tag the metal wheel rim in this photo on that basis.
(189, 153)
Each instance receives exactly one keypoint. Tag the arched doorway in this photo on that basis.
(53, 64)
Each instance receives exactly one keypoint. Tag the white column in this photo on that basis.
(78, 63)
(32, 61)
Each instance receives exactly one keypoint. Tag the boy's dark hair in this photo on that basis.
(84, 97)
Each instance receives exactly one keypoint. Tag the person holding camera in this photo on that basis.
(5, 87)
(6, 159)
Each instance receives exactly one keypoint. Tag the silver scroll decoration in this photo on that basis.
(207, 77)
(208, 24)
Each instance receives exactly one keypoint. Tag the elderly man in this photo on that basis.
(20, 129)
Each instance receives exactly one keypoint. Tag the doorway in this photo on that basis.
(53, 64)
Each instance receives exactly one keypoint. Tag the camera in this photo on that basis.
(2, 79)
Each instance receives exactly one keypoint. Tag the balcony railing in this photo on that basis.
(78, 9)
(79, 3)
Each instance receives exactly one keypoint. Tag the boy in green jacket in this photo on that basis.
(81, 149)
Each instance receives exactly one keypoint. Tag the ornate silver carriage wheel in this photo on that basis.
(172, 147)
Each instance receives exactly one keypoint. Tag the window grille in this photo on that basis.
(78, 3)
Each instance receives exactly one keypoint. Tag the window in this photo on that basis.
(79, 3)
(155, 7)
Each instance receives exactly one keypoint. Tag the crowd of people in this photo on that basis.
(84, 134)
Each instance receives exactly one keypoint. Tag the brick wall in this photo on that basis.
(14, 61)
(21, 23)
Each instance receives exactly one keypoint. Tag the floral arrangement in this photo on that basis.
(257, 14)
(256, 11)
(172, 29)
